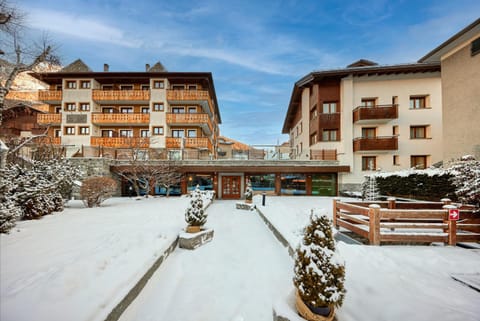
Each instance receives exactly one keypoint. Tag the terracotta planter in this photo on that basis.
(248, 201)
(307, 314)
(193, 229)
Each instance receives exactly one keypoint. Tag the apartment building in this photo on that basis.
(368, 117)
(459, 57)
(172, 112)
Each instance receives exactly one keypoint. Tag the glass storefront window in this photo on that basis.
(204, 181)
(263, 183)
(324, 185)
(293, 184)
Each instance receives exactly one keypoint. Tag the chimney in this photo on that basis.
(147, 67)
(105, 67)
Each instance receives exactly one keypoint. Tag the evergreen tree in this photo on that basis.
(466, 178)
(319, 270)
(370, 189)
(195, 215)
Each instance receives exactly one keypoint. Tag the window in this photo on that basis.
(368, 102)
(329, 135)
(107, 87)
(69, 130)
(395, 131)
(475, 47)
(300, 148)
(58, 109)
(369, 132)
(145, 87)
(85, 84)
(145, 110)
(396, 160)
(178, 110)
(158, 130)
(313, 113)
(108, 110)
(84, 106)
(57, 132)
(84, 130)
(313, 139)
(126, 133)
(144, 133)
(178, 87)
(158, 84)
(192, 87)
(192, 109)
(70, 106)
(418, 132)
(192, 133)
(158, 107)
(58, 87)
(417, 102)
(329, 107)
(369, 163)
(126, 110)
(107, 133)
(71, 84)
(126, 87)
(394, 100)
(178, 133)
(418, 162)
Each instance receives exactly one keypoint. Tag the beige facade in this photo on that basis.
(460, 63)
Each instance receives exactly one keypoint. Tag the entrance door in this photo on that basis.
(231, 186)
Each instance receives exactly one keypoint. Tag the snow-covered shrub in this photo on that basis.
(319, 270)
(95, 190)
(195, 215)
(466, 178)
(370, 189)
(9, 214)
(249, 192)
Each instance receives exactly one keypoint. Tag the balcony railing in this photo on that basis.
(190, 119)
(329, 120)
(379, 112)
(199, 142)
(48, 119)
(48, 140)
(189, 95)
(50, 95)
(121, 142)
(122, 118)
(116, 95)
(375, 143)
(323, 154)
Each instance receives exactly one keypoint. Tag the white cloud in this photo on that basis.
(79, 27)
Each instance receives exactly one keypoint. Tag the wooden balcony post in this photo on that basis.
(374, 224)
(335, 224)
(452, 226)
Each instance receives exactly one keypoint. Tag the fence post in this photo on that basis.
(445, 201)
(452, 226)
(335, 199)
(374, 224)
(391, 206)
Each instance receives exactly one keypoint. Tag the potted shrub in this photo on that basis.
(319, 271)
(195, 215)
(248, 193)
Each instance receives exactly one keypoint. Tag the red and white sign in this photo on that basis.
(453, 214)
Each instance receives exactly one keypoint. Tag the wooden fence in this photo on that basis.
(407, 222)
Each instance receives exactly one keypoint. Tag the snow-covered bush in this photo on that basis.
(95, 190)
(466, 178)
(319, 270)
(195, 215)
(249, 192)
(9, 214)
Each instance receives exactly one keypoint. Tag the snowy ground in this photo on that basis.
(78, 264)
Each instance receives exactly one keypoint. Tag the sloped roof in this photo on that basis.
(76, 66)
(362, 63)
(158, 67)
(236, 145)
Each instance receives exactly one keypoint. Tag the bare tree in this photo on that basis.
(20, 56)
(166, 174)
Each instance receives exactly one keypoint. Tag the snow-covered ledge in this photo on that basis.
(191, 241)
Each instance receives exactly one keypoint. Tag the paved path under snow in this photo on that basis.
(235, 277)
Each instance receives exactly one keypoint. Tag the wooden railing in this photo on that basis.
(48, 140)
(46, 119)
(189, 119)
(122, 118)
(406, 222)
(323, 154)
(111, 95)
(375, 143)
(199, 142)
(190, 95)
(50, 95)
(377, 112)
(330, 121)
(124, 142)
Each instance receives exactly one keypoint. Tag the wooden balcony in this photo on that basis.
(377, 114)
(202, 120)
(375, 144)
(49, 119)
(50, 96)
(199, 142)
(111, 96)
(330, 121)
(121, 142)
(323, 154)
(48, 140)
(130, 119)
(192, 96)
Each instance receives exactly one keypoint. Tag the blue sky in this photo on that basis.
(256, 50)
